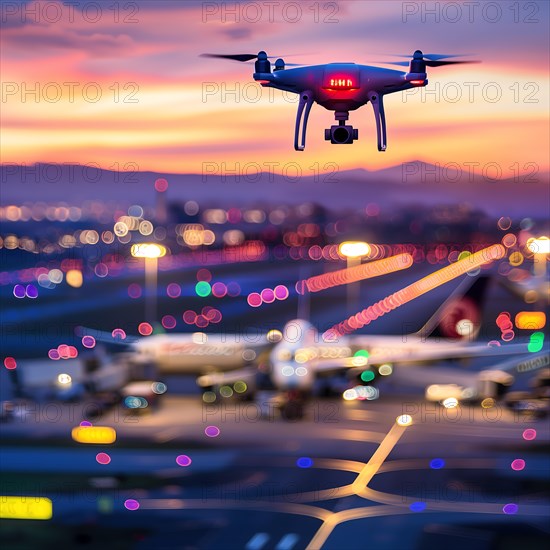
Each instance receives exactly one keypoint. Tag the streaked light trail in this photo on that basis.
(354, 274)
(416, 289)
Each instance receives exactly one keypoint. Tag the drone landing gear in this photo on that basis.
(306, 100)
(380, 117)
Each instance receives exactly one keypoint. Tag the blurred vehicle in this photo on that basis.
(521, 383)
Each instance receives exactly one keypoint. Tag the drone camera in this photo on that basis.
(341, 134)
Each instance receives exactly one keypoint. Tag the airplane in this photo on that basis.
(341, 87)
(289, 363)
(303, 355)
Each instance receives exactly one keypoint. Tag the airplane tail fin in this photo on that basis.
(459, 316)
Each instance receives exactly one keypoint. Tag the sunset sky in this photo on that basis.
(154, 111)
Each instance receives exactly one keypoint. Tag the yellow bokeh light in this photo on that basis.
(530, 320)
(404, 420)
(354, 249)
(148, 250)
(74, 278)
(25, 507)
(539, 246)
(516, 258)
(103, 435)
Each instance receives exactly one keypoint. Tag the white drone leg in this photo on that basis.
(306, 100)
(380, 117)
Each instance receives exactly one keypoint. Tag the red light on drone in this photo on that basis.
(341, 83)
(417, 82)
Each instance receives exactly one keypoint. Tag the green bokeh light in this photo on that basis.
(367, 376)
(536, 342)
(203, 289)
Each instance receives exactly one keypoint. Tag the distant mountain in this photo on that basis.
(414, 183)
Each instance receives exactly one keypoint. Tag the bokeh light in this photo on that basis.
(404, 420)
(233, 289)
(203, 289)
(161, 185)
(10, 363)
(168, 322)
(304, 462)
(417, 506)
(131, 504)
(204, 275)
(267, 295)
(212, 431)
(529, 434)
(367, 376)
(254, 299)
(536, 342)
(74, 278)
(189, 317)
(183, 460)
(173, 290)
(19, 291)
(118, 334)
(88, 341)
(145, 329)
(103, 458)
(159, 388)
(437, 463)
(281, 292)
(504, 223)
(219, 290)
(134, 291)
(510, 508)
(31, 291)
(518, 464)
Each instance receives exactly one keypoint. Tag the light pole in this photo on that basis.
(151, 252)
(353, 251)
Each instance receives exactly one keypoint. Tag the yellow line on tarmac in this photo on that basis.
(359, 485)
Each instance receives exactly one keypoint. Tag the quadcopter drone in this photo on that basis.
(341, 87)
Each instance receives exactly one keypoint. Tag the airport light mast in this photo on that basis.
(151, 252)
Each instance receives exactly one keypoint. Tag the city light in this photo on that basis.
(354, 249)
(96, 435)
(148, 250)
(25, 507)
(539, 246)
(530, 320)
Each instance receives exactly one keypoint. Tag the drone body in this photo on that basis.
(341, 87)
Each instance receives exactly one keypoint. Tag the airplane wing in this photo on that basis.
(431, 352)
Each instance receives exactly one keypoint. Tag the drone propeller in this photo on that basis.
(430, 63)
(435, 56)
(236, 57)
(431, 59)
(244, 57)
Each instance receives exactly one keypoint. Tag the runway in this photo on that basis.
(347, 476)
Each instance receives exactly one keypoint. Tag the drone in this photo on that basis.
(341, 87)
